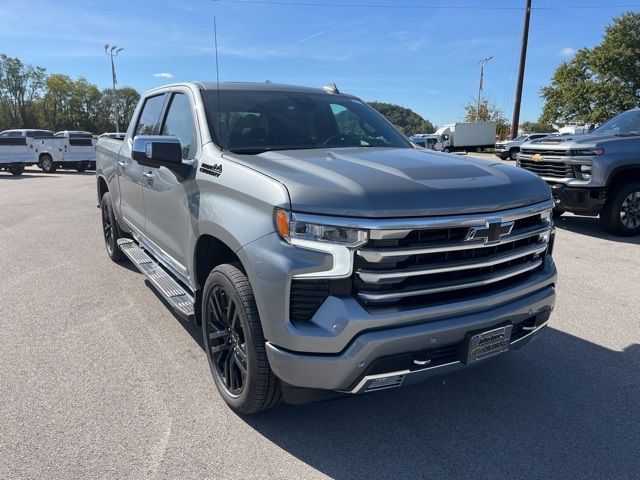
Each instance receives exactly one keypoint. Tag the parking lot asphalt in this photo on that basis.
(99, 379)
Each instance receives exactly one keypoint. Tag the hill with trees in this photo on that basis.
(405, 119)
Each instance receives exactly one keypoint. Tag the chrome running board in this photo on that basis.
(165, 284)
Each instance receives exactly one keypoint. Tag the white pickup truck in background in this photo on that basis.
(21, 148)
(77, 151)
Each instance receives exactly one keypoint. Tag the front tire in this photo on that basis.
(111, 229)
(513, 154)
(621, 212)
(235, 344)
(446, 150)
(47, 165)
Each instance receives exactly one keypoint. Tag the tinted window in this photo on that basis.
(149, 120)
(627, 123)
(179, 123)
(80, 135)
(39, 134)
(15, 134)
(256, 121)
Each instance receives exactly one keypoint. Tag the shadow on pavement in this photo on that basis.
(591, 226)
(561, 407)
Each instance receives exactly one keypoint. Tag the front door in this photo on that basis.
(130, 172)
(167, 193)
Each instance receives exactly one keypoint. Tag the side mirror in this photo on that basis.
(157, 151)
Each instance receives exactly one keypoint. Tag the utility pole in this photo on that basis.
(523, 59)
(113, 51)
(482, 62)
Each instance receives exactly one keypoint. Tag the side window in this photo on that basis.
(15, 134)
(4, 134)
(149, 120)
(179, 123)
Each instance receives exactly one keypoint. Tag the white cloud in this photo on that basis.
(567, 52)
(163, 75)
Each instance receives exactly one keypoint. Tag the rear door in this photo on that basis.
(166, 192)
(130, 172)
(14, 148)
(79, 148)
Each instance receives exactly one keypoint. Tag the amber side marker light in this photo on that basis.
(282, 222)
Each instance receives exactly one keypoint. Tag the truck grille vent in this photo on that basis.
(547, 169)
(424, 266)
(549, 153)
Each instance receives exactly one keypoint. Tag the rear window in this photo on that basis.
(81, 135)
(39, 134)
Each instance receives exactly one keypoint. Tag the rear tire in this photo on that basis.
(235, 344)
(621, 212)
(47, 165)
(16, 170)
(111, 229)
(81, 167)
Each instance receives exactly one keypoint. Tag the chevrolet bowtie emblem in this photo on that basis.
(536, 157)
(491, 232)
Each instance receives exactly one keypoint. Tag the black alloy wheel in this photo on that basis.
(225, 340)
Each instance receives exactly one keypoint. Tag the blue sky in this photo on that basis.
(422, 58)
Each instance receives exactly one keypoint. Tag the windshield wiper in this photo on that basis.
(250, 150)
(627, 134)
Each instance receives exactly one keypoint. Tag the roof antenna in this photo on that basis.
(215, 40)
(331, 88)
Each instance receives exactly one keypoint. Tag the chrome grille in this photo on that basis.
(547, 168)
(438, 263)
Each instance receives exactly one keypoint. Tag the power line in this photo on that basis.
(420, 7)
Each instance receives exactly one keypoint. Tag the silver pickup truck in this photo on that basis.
(321, 253)
(593, 174)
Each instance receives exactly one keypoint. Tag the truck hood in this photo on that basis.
(571, 141)
(395, 182)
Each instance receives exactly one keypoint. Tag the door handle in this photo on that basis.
(149, 176)
(122, 164)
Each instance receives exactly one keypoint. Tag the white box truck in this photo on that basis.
(467, 136)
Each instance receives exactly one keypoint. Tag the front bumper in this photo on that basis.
(584, 201)
(351, 370)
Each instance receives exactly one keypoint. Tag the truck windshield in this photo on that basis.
(253, 122)
(627, 123)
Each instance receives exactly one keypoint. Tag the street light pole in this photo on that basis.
(113, 51)
(482, 62)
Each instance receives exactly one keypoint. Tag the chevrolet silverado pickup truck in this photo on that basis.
(593, 174)
(320, 252)
(510, 148)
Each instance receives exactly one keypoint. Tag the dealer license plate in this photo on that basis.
(487, 344)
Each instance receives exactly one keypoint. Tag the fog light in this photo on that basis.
(585, 171)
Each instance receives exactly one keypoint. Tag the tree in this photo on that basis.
(598, 83)
(20, 89)
(487, 113)
(405, 119)
(536, 127)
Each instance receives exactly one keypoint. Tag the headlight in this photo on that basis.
(591, 152)
(290, 230)
(340, 242)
